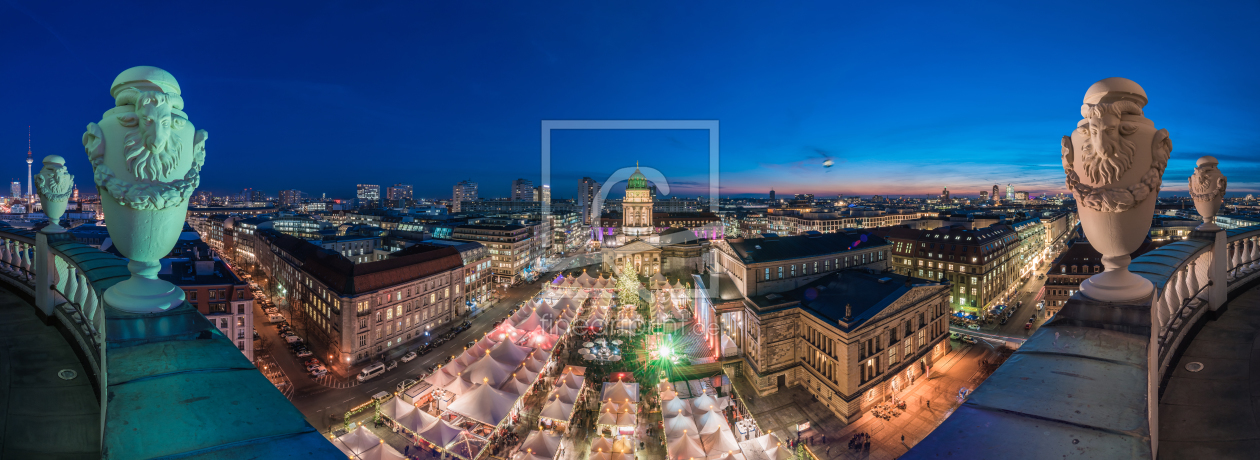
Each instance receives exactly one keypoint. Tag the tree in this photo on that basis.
(628, 285)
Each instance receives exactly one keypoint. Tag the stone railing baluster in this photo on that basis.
(81, 291)
(72, 285)
(1255, 253)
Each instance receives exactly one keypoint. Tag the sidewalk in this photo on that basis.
(779, 412)
(959, 369)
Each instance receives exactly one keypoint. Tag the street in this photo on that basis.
(324, 402)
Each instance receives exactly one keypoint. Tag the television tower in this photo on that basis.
(29, 160)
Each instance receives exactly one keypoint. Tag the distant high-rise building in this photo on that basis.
(203, 197)
(257, 195)
(588, 190)
(771, 194)
(652, 191)
(945, 194)
(463, 191)
(15, 189)
(75, 196)
(996, 195)
(1010, 192)
(247, 194)
(522, 190)
(542, 193)
(399, 192)
(984, 195)
(1021, 196)
(290, 197)
(369, 195)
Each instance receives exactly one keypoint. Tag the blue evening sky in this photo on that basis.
(905, 97)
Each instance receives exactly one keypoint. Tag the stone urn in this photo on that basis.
(1114, 162)
(146, 161)
(54, 185)
(1207, 188)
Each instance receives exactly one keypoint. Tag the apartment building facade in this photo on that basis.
(775, 263)
(983, 265)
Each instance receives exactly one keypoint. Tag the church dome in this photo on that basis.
(637, 181)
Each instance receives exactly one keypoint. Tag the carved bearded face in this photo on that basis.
(1107, 155)
(153, 147)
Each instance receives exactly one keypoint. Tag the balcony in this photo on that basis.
(1173, 376)
(145, 385)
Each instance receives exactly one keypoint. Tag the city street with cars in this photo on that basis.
(325, 398)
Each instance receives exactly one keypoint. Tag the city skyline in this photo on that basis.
(801, 93)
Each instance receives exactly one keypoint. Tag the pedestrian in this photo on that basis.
(903, 439)
(929, 404)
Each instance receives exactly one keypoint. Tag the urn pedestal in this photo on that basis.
(54, 185)
(1116, 236)
(1207, 189)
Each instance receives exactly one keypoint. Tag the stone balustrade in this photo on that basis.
(170, 384)
(1087, 383)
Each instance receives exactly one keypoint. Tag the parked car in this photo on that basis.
(302, 353)
(392, 365)
(1028, 326)
(310, 366)
(968, 339)
(256, 336)
(973, 326)
(402, 386)
(1003, 322)
(275, 318)
(292, 338)
(319, 372)
(954, 336)
(409, 356)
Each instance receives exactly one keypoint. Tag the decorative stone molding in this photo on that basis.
(54, 185)
(1207, 189)
(146, 161)
(1114, 161)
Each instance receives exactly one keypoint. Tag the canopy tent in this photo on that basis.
(674, 407)
(533, 364)
(525, 375)
(718, 442)
(479, 348)
(620, 407)
(529, 323)
(466, 446)
(515, 386)
(676, 426)
(765, 447)
(704, 403)
(685, 447)
(737, 455)
(505, 331)
(440, 378)
(620, 392)
(488, 371)
(357, 441)
(608, 456)
(454, 367)
(712, 421)
(541, 339)
(545, 311)
(484, 404)
(728, 346)
(541, 443)
(382, 451)
(507, 352)
(395, 408)
(601, 444)
(571, 381)
(557, 409)
(415, 420)
(439, 432)
(623, 445)
(459, 386)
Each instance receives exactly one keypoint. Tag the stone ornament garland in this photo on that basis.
(1114, 199)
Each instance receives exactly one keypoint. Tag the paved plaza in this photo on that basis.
(780, 412)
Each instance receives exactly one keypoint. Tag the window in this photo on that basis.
(240, 309)
(793, 269)
(780, 272)
(223, 323)
(223, 294)
(240, 321)
(214, 294)
(192, 296)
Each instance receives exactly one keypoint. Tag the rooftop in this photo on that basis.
(827, 298)
(755, 250)
(348, 278)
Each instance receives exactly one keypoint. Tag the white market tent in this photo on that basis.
(718, 442)
(440, 378)
(415, 420)
(676, 426)
(541, 443)
(765, 447)
(507, 352)
(459, 386)
(484, 404)
(686, 447)
(440, 433)
(381, 452)
(487, 371)
(357, 441)
(620, 392)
